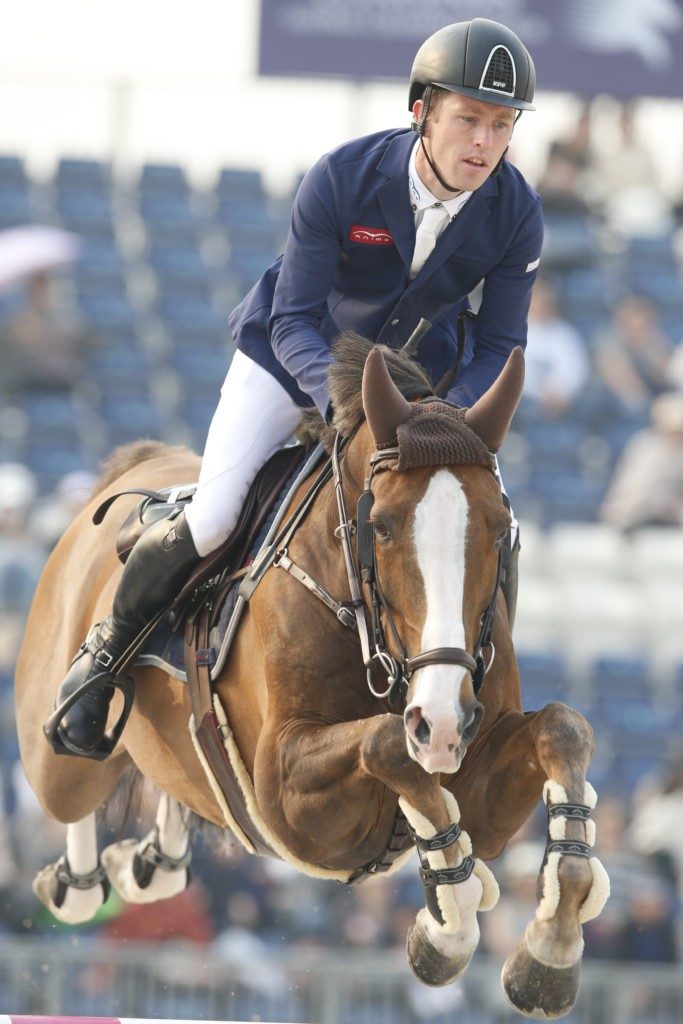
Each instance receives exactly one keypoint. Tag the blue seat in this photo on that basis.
(543, 678)
(240, 183)
(614, 671)
(163, 178)
(85, 212)
(15, 206)
(168, 214)
(244, 269)
(50, 462)
(129, 418)
(121, 370)
(569, 242)
(212, 336)
(177, 261)
(585, 289)
(241, 213)
(90, 175)
(189, 312)
(196, 285)
(263, 234)
(197, 415)
(646, 250)
(48, 409)
(108, 310)
(200, 367)
(100, 261)
(635, 757)
(12, 171)
(663, 286)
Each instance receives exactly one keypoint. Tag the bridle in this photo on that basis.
(353, 615)
(372, 637)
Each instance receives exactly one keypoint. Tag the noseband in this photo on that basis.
(372, 637)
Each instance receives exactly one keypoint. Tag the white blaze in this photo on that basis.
(439, 532)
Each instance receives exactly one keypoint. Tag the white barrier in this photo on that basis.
(13, 1019)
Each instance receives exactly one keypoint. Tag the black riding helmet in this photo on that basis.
(481, 59)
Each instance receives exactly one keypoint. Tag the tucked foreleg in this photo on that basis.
(342, 781)
(541, 977)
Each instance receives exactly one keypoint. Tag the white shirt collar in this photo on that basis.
(421, 197)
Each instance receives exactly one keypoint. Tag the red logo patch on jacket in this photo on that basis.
(370, 236)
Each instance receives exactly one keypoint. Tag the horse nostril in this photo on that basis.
(422, 732)
(471, 723)
(417, 726)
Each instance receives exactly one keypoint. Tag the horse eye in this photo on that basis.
(381, 529)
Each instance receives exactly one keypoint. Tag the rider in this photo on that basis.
(386, 230)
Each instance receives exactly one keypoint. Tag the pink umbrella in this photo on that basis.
(34, 249)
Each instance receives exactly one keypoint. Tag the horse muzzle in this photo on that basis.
(437, 738)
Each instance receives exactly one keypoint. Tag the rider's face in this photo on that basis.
(465, 138)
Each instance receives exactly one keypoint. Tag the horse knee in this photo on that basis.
(559, 730)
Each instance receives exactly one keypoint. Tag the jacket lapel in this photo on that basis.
(473, 213)
(393, 196)
(394, 201)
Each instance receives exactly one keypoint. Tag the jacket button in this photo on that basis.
(396, 321)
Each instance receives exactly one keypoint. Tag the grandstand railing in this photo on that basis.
(77, 974)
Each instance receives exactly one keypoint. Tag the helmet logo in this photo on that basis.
(500, 74)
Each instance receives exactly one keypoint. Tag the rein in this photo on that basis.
(353, 614)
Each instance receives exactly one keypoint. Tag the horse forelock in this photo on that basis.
(345, 378)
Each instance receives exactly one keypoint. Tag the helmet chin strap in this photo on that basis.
(439, 178)
(418, 126)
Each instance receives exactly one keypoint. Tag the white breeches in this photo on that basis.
(254, 418)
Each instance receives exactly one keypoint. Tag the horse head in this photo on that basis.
(438, 522)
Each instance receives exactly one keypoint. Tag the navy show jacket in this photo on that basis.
(346, 267)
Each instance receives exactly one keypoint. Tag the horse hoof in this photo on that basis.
(66, 903)
(536, 990)
(427, 963)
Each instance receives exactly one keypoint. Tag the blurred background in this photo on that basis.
(149, 156)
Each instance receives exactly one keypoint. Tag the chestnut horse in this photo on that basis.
(329, 766)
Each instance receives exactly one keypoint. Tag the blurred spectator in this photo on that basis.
(657, 827)
(647, 487)
(182, 918)
(21, 559)
(627, 176)
(41, 347)
(632, 355)
(557, 365)
(576, 145)
(52, 515)
(560, 183)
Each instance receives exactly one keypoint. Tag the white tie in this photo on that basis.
(433, 220)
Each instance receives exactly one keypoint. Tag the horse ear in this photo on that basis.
(384, 406)
(491, 415)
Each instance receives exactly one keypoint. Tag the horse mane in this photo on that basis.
(126, 456)
(345, 379)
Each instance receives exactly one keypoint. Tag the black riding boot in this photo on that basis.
(157, 567)
(509, 584)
